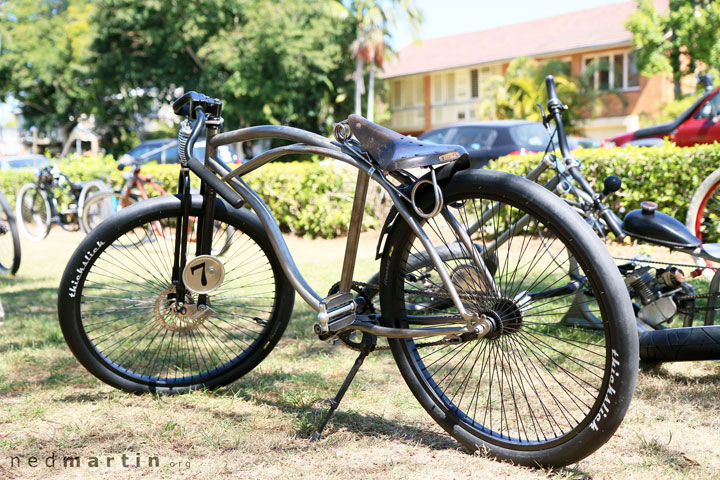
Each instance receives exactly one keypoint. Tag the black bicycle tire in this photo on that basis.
(680, 344)
(621, 329)
(21, 220)
(87, 203)
(84, 195)
(71, 285)
(13, 268)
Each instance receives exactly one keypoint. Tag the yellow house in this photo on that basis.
(439, 81)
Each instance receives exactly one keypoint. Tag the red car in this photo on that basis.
(697, 124)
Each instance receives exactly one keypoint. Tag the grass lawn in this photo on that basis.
(258, 427)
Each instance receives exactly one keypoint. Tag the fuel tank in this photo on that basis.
(656, 227)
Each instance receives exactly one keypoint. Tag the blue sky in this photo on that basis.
(447, 17)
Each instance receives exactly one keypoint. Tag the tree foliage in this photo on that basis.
(282, 61)
(516, 95)
(44, 49)
(270, 62)
(682, 40)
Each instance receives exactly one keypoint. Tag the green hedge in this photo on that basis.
(668, 175)
(307, 198)
(314, 198)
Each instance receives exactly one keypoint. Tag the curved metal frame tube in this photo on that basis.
(321, 146)
(272, 131)
(274, 154)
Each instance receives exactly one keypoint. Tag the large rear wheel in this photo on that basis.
(537, 389)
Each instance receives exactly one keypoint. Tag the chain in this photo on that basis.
(699, 295)
(642, 260)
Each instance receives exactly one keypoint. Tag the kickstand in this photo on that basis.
(368, 345)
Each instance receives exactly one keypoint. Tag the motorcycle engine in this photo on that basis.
(658, 291)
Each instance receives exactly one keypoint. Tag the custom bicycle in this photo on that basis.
(37, 205)
(664, 294)
(474, 325)
(101, 205)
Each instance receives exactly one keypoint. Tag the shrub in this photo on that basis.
(667, 175)
(307, 198)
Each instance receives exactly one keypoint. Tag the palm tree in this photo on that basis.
(517, 94)
(373, 19)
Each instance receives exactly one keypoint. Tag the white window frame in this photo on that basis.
(611, 72)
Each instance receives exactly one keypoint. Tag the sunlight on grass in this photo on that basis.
(258, 427)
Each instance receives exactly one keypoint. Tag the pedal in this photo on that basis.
(336, 311)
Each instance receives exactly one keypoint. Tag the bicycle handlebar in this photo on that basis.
(199, 169)
(555, 107)
(551, 89)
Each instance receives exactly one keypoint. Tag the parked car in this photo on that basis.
(165, 150)
(697, 124)
(24, 161)
(489, 140)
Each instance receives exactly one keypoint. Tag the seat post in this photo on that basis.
(356, 217)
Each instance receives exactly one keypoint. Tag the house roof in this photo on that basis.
(593, 27)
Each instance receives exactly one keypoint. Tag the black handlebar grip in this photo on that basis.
(551, 89)
(222, 188)
(186, 105)
(611, 184)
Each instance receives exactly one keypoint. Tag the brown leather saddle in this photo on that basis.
(394, 151)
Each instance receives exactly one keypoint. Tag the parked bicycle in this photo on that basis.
(9, 239)
(664, 294)
(37, 204)
(477, 337)
(103, 204)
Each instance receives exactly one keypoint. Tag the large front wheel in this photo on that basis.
(536, 390)
(121, 317)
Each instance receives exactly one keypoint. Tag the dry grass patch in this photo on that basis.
(259, 426)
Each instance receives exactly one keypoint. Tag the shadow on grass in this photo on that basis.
(697, 390)
(309, 410)
(30, 301)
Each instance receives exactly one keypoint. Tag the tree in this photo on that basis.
(517, 94)
(44, 49)
(683, 40)
(271, 62)
(285, 61)
(372, 19)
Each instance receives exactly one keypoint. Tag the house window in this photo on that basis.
(633, 76)
(396, 94)
(618, 68)
(603, 70)
(474, 84)
(420, 91)
(450, 87)
(616, 71)
(437, 88)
